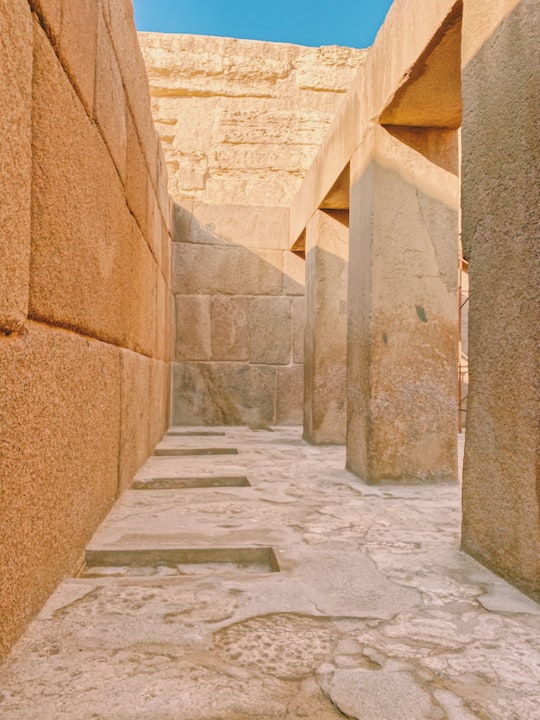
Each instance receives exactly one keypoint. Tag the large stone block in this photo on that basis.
(81, 226)
(141, 295)
(223, 394)
(270, 330)
(403, 311)
(16, 165)
(137, 180)
(294, 269)
(299, 328)
(501, 203)
(120, 21)
(135, 372)
(224, 270)
(60, 419)
(159, 402)
(251, 227)
(325, 360)
(193, 328)
(229, 318)
(164, 320)
(290, 395)
(110, 102)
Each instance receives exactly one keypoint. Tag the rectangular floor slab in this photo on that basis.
(181, 483)
(181, 452)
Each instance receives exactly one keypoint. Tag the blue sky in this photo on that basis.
(305, 22)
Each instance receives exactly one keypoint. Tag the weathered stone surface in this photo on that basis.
(78, 47)
(290, 394)
(501, 200)
(15, 168)
(193, 328)
(374, 614)
(67, 391)
(270, 330)
(249, 226)
(144, 315)
(229, 333)
(110, 103)
(325, 360)
(294, 268)
(159, 401)
(136, 394)
(218, 270)
(376, 695)
(222, 152)
(299, 328)
(223, 394)
(119, 18)
(136, 177)
(76, 195)
(403, 254)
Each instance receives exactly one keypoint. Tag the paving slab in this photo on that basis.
(374, 613)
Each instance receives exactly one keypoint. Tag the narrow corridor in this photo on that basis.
(246, 575)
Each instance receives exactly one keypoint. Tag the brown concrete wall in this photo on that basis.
(85, 304)
(501, 203)
(240, 122)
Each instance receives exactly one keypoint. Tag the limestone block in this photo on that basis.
(110, 103)
(164, 320)
(82, 232)
(229, 318)
(215, 270)
(78, 47)
(327, 250)
(290, 395)
(119, 18)
(136, 389)
(166, 253)
(331, 68)
(295, 274)
(67, 390)
(15, 168)
(501, 200)
(270, 330)
(193, 336)
(153, 223)
(137, 181)
(260, 187)
(141, 299)
(160, 394)
(223, 394)
(402, 329)
(249, 226)
(299, 326)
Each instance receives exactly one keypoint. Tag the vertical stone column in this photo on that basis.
(501, 202)
(403, 307)
(325, 349)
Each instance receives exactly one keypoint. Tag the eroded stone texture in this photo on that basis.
(15, 167)
(223, 393)
(59, 469)
(240, 122)
(501, 200)
(403, 306)
(325, 356)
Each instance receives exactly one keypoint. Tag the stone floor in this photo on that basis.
(375, 614)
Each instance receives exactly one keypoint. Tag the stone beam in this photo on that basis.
(407, 35)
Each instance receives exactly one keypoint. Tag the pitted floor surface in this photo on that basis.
(375, 613)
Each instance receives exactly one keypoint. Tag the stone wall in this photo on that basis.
(240, 122)
(501, 199)
(85, 301)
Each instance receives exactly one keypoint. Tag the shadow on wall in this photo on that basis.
(240, 314)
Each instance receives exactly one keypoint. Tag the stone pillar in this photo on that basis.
(501, 239)
(325, 349)
(403, 307)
